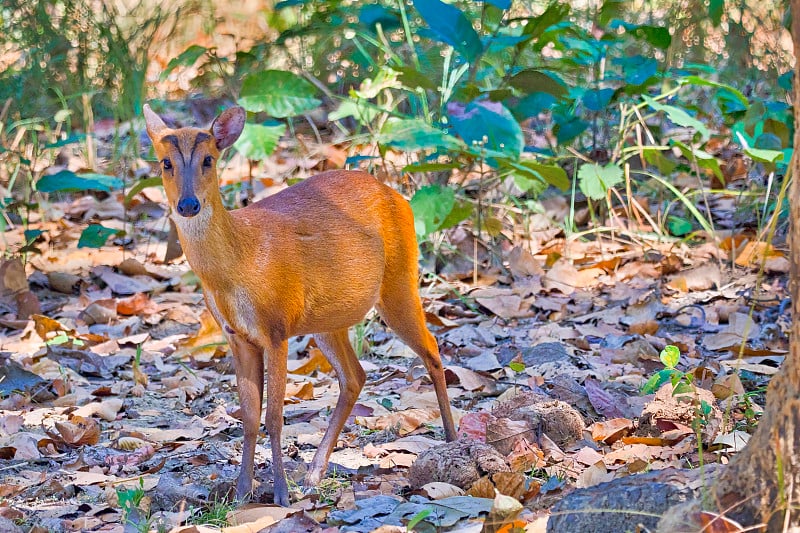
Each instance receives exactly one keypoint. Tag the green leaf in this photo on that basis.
(597, 99)
(536, 81)
(278, 93)
(31, 235)
(697, 80)
(430, 167)
(516, 366)
(140, 185)
(68, 181)
(417, 518)
(678, 226)
(679, 116)
(73, 138)
(658, 379)
(258, 141)
(357, 109)
(187, 58)
(715, 10)
(556, 12)
(95, 236)
(413, 78)
(415, 134)
(533, 104)
(526, 173)
(487, 123)
(594, 180)
(501, 4)
(703, 159)
(568, 127)
(451, 26)
(764, 156)
(431, 206)
(461, 210)
(637, 69)
(670, 356)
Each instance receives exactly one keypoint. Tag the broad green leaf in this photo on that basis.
(679, 116)
(533, 104)
(597, 99)
(697, 80)
(657, 36)
(258, 141)
(595, 180)
(516, 366)
(536, 81)
(68, 181)
(431, 206)
(31, 235)
(545, 174)
(555, 13)
(462, 209)
(187, 58)
(764, 156)
(355, 108)
(678, 226)
(415, 134)
(487, 123)
(658, 379)
(657, 158)
(278, 93)
(140, 185)
(413, 78)
(501, 4)
(670, 356)
(386, 78)
(95, 236)
(568, 127)
(637, 69)
(703, 159)
(451, 26)
(715, 10)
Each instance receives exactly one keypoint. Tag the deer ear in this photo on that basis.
(153, 122)
(228, 126)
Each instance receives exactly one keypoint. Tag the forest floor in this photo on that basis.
(118, 405)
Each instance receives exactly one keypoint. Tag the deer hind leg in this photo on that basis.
(339, 352)
(401, 309)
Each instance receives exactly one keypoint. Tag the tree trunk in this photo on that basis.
(762, 484)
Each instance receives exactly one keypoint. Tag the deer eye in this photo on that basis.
(207, 162)
(167, 164)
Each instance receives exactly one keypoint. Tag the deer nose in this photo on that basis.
(188, 207)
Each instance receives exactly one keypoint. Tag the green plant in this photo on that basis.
(682, 382)
(130, 500)
(214, 514)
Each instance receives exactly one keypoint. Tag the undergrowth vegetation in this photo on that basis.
(489, 104)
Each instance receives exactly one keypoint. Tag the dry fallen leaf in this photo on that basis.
(405, 421)
(610, 431)
(77, 431)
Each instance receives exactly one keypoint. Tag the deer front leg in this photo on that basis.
(273, 419)
(248, 361)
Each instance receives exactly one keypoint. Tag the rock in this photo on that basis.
(650, 493)
(460, 463)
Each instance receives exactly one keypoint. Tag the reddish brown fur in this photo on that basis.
(313, 258)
